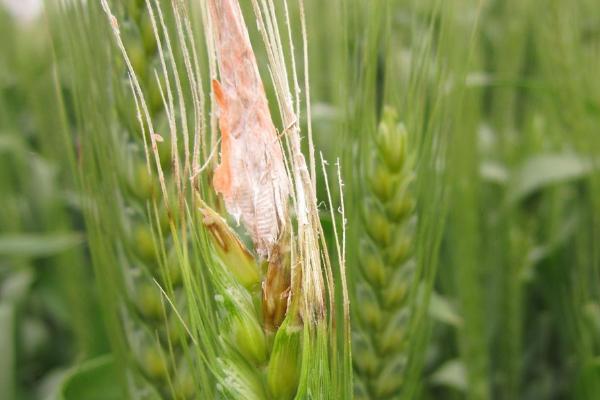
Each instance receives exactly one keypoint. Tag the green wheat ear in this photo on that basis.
(144, 272)
(261, 360)
(385, 263)
(157, 350)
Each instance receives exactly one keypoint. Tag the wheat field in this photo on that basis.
(299, 199)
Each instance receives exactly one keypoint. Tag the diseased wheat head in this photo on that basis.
(265, 312)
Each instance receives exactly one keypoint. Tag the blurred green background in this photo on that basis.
(509, 95)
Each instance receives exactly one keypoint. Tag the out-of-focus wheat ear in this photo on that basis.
(156, 263)
(382, 309)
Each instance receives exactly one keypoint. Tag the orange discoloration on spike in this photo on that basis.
(251, 176)
(222, 177)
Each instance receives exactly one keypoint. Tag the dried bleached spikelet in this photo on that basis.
(251, 176)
